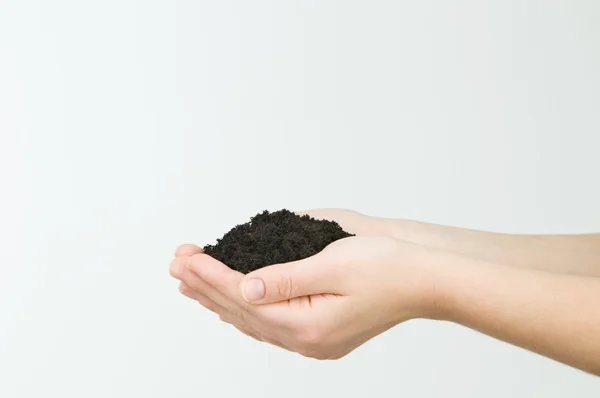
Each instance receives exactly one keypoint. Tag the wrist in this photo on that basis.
(419, 283)
(458, 283)
(439, 276)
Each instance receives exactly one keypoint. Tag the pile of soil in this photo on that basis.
(273, 238)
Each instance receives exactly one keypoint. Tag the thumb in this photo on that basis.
(285, 281)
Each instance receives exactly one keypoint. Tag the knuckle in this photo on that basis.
(240, 315)
(246, 307)
(285, 287)
(237, 314)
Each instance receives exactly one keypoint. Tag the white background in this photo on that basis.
(128, 127)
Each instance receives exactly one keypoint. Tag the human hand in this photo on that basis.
(327, 305)
(354, 222)
(323, 306)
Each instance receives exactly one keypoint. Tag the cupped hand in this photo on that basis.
(323, 306)
(354, 222)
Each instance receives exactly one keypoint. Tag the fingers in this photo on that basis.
(275, 343)
(260, 338)
(177, 267)
(219, 276)
(218, 279)
(187, 291)
(217, 287)
(224, 315)
(254, 336)
(179, 270)
(200, 298)
(187, 250)
(281, 282)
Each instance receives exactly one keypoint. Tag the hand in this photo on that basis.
(327, 305)
(354, 222)
(323, 306)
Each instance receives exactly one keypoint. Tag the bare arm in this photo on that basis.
(566, 254)
(555, 315)
(538, 292)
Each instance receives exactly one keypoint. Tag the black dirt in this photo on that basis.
(274, 238)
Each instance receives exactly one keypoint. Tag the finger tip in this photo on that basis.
(253, 290)
(176, 267)
(187, 249)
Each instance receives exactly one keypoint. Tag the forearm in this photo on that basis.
(569, 254)
(554, 315)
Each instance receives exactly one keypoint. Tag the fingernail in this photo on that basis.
(253, 289)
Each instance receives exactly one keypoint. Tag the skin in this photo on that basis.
(537, 292)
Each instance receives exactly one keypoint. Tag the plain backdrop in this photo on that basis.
(129, 127)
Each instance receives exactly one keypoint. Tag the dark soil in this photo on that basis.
(273, 238)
